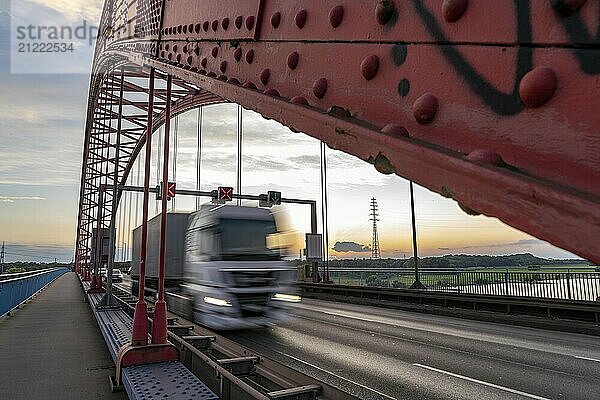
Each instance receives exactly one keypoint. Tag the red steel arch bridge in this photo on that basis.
(489, 103)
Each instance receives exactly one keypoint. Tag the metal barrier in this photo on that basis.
(15, 289)
(546, 284)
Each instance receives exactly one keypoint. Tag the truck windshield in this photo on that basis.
(246, 239)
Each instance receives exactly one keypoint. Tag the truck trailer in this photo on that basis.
(219, 259)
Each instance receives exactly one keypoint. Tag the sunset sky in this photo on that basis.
(42, 125)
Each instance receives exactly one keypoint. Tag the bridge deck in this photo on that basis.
(53, 349)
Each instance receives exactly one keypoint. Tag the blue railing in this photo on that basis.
(15, 289)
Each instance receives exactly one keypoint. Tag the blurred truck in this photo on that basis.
(220, 268)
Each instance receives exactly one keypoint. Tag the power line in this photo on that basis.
(375, 253)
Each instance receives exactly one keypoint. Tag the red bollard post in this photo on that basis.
(159, 323)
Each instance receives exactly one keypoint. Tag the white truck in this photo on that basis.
(220, 263)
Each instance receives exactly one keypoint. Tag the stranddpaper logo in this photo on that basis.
(47, 41)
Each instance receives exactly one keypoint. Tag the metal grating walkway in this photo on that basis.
(170, 380)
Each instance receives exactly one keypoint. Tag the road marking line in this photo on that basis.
(441, 371)
(587, 358)
(337, 376)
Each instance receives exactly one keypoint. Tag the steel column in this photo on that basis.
(139, 333)
(159, 323)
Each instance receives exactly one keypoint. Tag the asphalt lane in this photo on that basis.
(378, 353)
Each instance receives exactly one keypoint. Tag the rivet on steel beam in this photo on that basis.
(369, 67)
(486, 157)
(384, 11)
(237, 54)
(239, 21)
(566, 7)
(204, 62)
(271, 92)
(249, 85)
(250, 22)
(215, 25)
(538, 86)
(225, 23)
(453, 10)
(223, 66)
(320, 88)
(425, 108)
(265, 75)
(336, 15)
(299, 100)
(301, 18)
(205, 26)
(383, 165)
(468, 210)
(276, 20)
(215, 51)
(395, 130)
(250, 56)
(292, 60)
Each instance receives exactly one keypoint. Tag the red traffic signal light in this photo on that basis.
(225, 194)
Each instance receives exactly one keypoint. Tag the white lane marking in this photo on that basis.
(337, 376)
(504, 388)
(345, 314)
(587, 358)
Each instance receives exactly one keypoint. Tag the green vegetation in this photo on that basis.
(19, 266)
(14, 270)
(515, 263)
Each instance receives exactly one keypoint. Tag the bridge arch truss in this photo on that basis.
(489, 104)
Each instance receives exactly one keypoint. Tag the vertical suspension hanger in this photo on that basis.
(239, 151)
(199, 157)
(158, 165)
(325, 223)
(175, 151)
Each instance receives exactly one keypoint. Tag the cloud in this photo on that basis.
(347, 247)
(37, 253)
(12, 199)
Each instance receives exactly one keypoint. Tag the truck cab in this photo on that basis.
(236, 280)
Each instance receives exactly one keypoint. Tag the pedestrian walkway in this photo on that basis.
(52, 348)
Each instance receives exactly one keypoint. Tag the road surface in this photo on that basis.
(388, 354)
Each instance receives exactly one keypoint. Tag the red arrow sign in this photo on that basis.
(171, 189)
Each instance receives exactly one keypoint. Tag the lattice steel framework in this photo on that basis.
(491, 103)
(375, 252)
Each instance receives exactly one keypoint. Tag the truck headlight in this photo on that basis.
(290, 298)
(217, 302)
